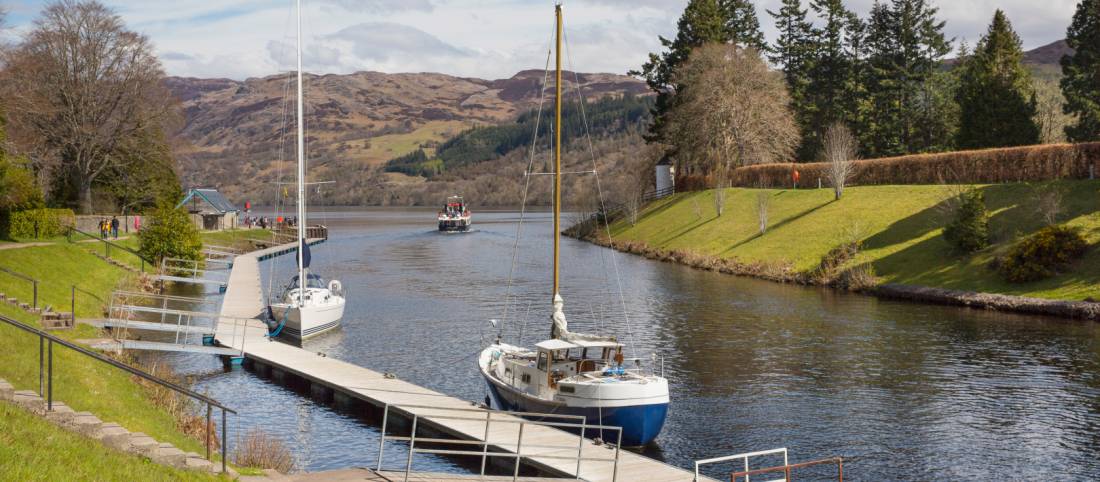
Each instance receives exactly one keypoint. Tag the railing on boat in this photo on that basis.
(488, 417)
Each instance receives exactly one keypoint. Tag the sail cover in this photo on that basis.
(304, 255)
(560, 328)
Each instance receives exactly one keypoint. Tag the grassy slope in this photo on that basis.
(33, 449)
(901, 227)
(79, 382)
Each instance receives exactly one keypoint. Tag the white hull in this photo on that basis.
(308, 321)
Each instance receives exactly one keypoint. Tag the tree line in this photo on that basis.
(883, 76)
(609, 115)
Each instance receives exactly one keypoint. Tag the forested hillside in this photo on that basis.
(609, 116)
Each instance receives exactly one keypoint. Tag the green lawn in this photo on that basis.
(900, 227)
(82, 383)
(34, 449)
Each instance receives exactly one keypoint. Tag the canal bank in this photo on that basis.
(898, 230)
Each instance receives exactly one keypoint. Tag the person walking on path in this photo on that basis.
(103, 228)
(114, 226)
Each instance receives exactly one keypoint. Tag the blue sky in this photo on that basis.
(474, 38)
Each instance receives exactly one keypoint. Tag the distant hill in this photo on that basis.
(236, 132)
(1044, 62)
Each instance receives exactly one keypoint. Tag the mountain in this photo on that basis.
(235, 133)
(1044, 61)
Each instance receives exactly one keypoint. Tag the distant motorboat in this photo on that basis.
(455, 215)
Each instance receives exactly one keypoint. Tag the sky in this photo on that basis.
(488, 39)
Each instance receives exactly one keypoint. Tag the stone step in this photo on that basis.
(30, 401)
(196, 462)
(86, 424)
(167, 454)
(61, 414)
(112, 435)
(7, 392)
(25, 306)
(141, 444)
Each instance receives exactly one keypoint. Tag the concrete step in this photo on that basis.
(86, 424)
(113, 435)
(141, 444)
(196, 462)
(167, 454)
(25, 306)
(61, 414)
(29, 400)
(7, 392)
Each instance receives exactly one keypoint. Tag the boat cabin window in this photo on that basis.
(525, 378)
(543, 359)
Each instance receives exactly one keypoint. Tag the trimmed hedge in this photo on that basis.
(1012, 164)
(51, 222)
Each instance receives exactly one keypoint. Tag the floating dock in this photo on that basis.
(542, 445)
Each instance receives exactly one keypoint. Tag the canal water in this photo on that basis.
(902, 391)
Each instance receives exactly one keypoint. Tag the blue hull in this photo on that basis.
(640, 423)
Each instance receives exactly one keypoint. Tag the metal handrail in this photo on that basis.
(108, 244)
(72, 299)
(787, 468)
(510, 417)
(745, 456)
(34, 284)
(45, 379)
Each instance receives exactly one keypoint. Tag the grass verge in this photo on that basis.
(900, 228)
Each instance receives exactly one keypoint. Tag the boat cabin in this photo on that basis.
(540, 372)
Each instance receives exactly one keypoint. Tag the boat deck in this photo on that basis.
(244, 299)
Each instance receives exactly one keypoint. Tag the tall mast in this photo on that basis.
(301, 171)
(557, 152)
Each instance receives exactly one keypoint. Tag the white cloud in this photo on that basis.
(476, 38)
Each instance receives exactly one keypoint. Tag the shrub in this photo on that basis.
(1042, 254)
(51, 222)
(969, 230)
(169, 233)
(262, 451)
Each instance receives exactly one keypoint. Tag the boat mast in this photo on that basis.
(301, 172)
(557, 152)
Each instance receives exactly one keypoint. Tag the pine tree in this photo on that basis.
(905, 46)
(832, 73)
(794, 52)
(742, 26)
(996, 97)
(1081, 73)
(702, 22)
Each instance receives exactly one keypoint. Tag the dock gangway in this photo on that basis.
(179, 324)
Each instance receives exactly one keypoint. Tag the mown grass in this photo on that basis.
(82, 383)
(900, 227)
(33, 449)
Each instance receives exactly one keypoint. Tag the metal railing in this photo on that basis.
(577, 423)
(72, 299)
(744, 457)
(46, 342)
(787, 468)
(125, 306)
(108, 244)
(33, 282)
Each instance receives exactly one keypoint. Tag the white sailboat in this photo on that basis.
(575, 373)
(308, 306)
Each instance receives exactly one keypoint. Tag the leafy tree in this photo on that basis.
(1081, 73)
(969, 230)
(169, 233)
(742, 25)
(702, 22)
(81, 88)
(996, 97)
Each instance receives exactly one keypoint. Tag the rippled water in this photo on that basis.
(905, 391)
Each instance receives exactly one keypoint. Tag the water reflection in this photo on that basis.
(907, 391)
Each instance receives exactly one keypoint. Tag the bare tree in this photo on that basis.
(763, 204)
(1047, 201)
(1049, 115)
(720, 193)
(81, 89)
(732, 111)
(839, 150)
